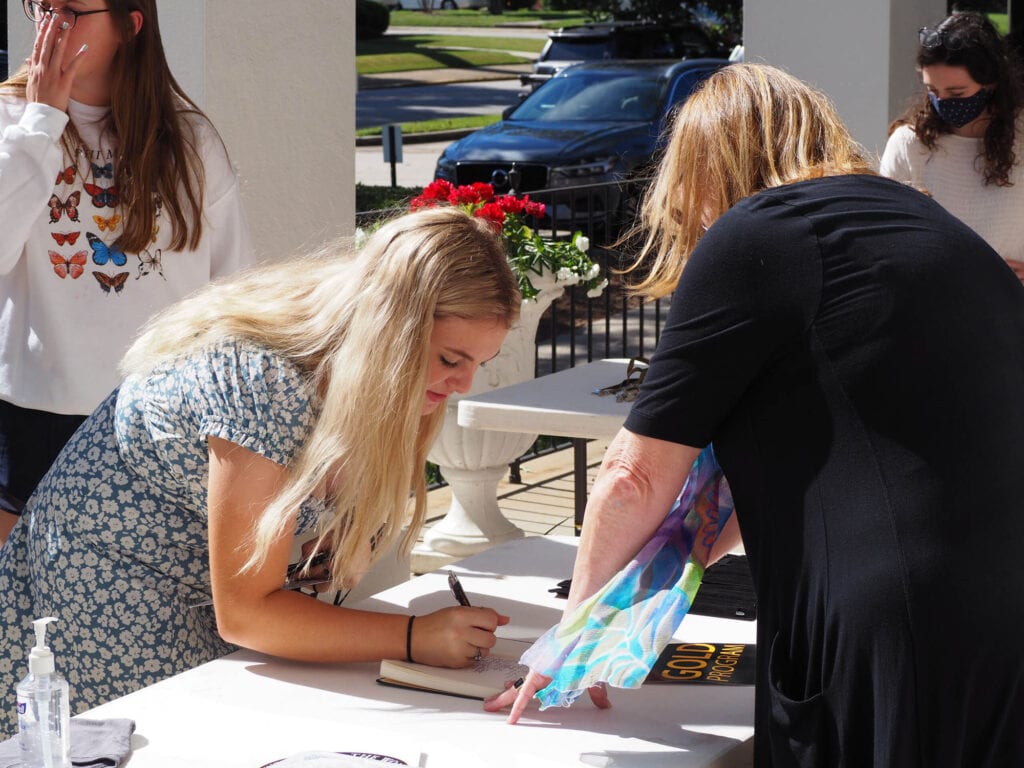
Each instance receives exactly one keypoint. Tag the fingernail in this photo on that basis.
(518, 683)
(84, 48)
(63, 26)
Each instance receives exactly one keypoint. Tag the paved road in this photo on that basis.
(509, 31)
(415, 170)
(382, 106)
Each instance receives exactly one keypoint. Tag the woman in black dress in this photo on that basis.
(856, 355)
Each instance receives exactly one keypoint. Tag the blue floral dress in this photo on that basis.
(114, 540)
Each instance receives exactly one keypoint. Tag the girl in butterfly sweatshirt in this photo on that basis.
(117, 198)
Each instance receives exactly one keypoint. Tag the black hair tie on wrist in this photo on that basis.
(408, 640)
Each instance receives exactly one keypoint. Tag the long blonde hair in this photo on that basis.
(359, 325)
(748, 128)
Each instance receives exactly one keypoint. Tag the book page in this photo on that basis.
(484, 678)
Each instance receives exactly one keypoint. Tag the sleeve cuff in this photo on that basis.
(42, 118)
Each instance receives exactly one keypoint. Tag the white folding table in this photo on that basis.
(247, 709)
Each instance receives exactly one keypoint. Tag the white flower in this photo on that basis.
(583, 243)
(361, 237)
(565, 274)
(597, 290)
(594, 271)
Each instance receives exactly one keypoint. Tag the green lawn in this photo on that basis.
(399, 53)
(471, 18)
(440, 124)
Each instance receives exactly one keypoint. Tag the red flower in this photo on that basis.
(471, 194)
(512, 204)
(493, 213)
(535, 209)
(434, 193)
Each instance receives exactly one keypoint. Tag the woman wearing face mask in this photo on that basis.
(959, 141)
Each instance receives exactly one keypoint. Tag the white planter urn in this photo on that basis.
(473, 461)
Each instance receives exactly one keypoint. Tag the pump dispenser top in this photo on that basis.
(40, 659)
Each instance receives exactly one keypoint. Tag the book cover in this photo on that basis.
(714, 663)
(484, 678)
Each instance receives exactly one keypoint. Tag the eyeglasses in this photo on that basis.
(37, 12)
(931, 39)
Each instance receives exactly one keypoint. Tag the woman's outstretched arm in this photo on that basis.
(254, 611)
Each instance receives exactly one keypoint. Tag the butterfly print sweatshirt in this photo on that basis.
(71, 300)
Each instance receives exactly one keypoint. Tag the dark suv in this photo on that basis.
(583, 143)
(618, 40)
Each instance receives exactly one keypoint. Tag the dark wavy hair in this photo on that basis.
(967, 39)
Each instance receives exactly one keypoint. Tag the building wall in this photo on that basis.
(860, 53)
(278, 80)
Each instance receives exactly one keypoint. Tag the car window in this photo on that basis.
(690, 43)
(576, 49)
(601, 99)
(644, 44)
(686, 83)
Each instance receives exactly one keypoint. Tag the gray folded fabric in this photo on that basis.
(94, 744)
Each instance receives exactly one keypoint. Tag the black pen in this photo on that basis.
(456, 588)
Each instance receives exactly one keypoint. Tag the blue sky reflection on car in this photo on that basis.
(592, 124)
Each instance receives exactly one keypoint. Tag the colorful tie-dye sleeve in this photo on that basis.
(615, 636)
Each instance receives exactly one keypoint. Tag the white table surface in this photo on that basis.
(248, 709)
(557, 404)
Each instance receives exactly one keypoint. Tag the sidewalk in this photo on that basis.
(442, 76)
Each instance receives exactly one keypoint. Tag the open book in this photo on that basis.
(484, 678)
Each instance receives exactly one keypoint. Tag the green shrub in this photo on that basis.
(372, 19)
(372, 198)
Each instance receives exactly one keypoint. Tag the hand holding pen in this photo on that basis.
(460, 597)
(456, 587)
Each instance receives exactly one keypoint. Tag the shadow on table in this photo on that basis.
(664, 715)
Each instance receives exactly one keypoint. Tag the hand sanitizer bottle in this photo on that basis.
(44, 712)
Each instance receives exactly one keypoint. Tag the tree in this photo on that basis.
(721, 18)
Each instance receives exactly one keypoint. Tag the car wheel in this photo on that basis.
(448, 5)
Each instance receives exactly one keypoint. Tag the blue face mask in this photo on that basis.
(959, 112)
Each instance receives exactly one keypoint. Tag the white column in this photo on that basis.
(860, 53)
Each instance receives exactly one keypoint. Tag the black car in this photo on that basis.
(583, 136)
(618, 40)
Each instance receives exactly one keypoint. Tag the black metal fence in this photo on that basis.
(578, 329)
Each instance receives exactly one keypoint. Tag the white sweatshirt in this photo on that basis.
(70, 304)
(952, 174)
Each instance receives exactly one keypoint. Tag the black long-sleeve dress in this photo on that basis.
(856, 354)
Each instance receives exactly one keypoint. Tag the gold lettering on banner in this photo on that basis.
(692, 661)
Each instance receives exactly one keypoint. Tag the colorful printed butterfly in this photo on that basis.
(101, 171)
(102, 253)
(111, 281)
(149, 262)
(69, 206)
(105, 224)
(74, 266)
(65, 237)
(67, 175)
(102, 197)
